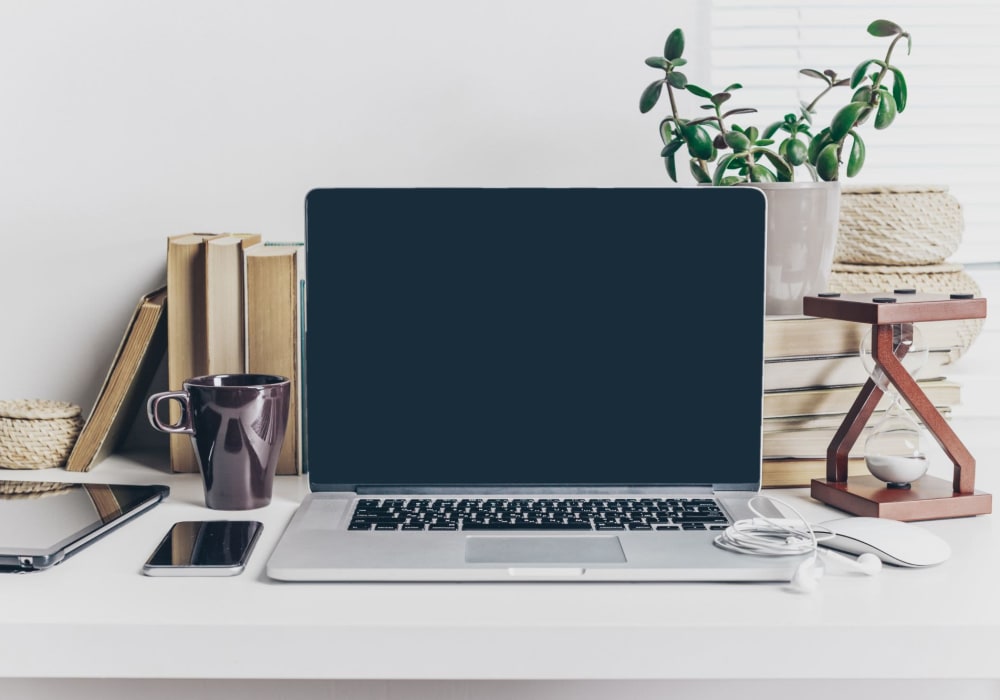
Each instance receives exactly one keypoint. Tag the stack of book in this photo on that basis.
(233, 303)
(813, 372)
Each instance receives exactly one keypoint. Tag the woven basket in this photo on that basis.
(943, 278)
(898, 225)
(36, 433)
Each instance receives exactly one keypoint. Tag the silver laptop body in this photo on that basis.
(539, 356)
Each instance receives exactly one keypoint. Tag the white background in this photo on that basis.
(124, 122)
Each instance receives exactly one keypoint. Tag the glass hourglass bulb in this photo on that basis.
(893, 450)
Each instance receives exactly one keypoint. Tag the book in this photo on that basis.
(225, 347)
(800, 372)
(838, 400)
(186, 351)
(120, 397)
(275, 297)
(793, 335)
(814, 442)
(831, 421)
(796, 473)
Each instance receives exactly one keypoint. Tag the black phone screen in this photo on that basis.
(211, 543)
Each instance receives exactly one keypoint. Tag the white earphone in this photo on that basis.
(767, 536)
(809, 572)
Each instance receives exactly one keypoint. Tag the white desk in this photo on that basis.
(96, 616)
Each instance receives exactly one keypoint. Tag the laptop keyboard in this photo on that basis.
(478, 514)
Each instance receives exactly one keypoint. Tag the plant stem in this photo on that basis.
(816, 99)
(885, 68)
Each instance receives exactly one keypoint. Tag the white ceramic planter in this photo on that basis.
(802, 219)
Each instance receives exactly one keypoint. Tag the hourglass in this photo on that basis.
(894, 451)
(898, 487)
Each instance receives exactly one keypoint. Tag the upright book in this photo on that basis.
(225, 347)
(186, 350)
(139, 354)
(275, 294)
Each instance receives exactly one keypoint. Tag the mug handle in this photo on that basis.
(153, 404)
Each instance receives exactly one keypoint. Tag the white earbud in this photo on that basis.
(807, 576)
(809, 572)
(866, 563)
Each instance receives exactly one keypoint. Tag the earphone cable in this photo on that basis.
(765, 536)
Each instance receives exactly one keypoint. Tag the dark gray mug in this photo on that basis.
(237, 423)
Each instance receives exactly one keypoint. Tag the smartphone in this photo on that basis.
(204, 548)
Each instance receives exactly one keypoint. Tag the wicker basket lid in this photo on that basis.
(892, 189)
(37, 409)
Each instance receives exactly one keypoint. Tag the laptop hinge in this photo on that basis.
(364, 489)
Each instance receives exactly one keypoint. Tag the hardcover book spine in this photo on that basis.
(274, 332)
(186, 351)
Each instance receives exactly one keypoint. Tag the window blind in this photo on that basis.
(948, 134)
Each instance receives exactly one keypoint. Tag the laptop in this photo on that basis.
(530, 384)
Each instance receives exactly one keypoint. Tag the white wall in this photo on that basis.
(124, 122)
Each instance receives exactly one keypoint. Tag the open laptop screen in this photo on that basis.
(534, 336)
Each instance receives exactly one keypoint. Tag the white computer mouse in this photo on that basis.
(893, 541)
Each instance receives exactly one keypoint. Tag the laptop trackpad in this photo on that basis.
(543, 550)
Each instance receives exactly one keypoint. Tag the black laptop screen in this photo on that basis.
(589, 336)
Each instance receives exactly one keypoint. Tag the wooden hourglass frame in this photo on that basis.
(928, 497)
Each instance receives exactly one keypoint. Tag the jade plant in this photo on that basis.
(735, 154)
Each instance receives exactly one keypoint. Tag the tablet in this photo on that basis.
(44, 522)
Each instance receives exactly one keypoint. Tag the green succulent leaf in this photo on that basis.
(658, 62)
(740, 110)
(782, 169)
(699, 91)
(699, 141)
(674, 46)
(720, 97)
(671, 148)
(670, 163)
(857, 157)
(677, 80)
(678, 62)
(752, 133)
(859, 73)
(700, 174)
(794, 151)
(813, 73)
(666, 130)
(862, 94)
(734, 86)
(828, 163)
(737, 141)
(845, 118)
(886, 111)
(816, 145)
(898, 88)
(720, 168)
(758, 173)
(883, 27)
(650, 96)
(771, 129)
